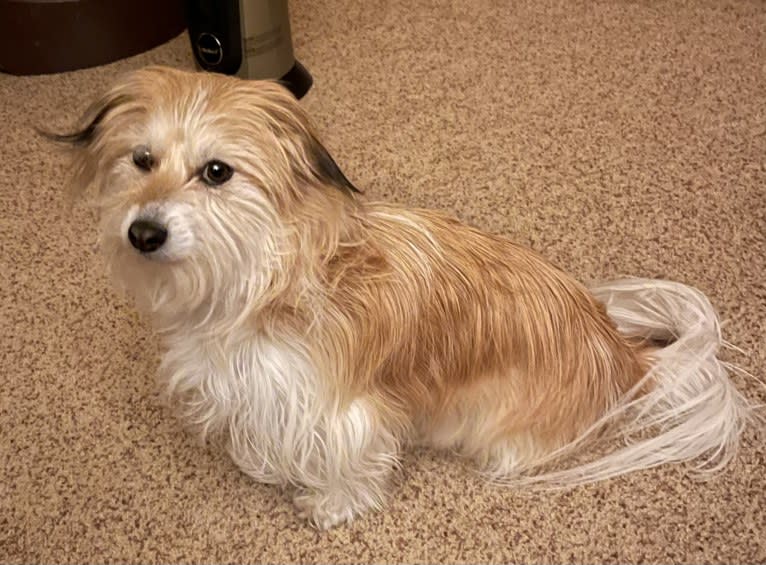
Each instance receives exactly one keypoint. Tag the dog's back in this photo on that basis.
(479, 342)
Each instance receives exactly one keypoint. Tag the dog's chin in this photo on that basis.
(159, 259)
(163, 286)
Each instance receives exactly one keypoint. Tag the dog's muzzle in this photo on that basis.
(147, 236)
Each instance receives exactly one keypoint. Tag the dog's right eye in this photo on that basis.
(142, 157)
(215, 173)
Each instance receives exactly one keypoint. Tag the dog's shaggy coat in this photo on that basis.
(317, 334)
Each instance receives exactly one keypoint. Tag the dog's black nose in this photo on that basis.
(147, 236)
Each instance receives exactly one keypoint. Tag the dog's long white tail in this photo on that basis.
(684, 410)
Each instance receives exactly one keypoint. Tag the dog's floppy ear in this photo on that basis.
(90, 121)
(85, 155)
(325, 168)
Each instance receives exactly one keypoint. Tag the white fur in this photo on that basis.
(693, 412)
(261, 395)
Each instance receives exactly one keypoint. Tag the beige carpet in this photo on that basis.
(615, 137)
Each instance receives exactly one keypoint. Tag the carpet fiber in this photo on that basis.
(614, 137)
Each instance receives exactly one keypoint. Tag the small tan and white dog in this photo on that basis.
(318, 334)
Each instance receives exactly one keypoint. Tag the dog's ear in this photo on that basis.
(311, 161)
(84, 151)
(90, 121)
(325, 168)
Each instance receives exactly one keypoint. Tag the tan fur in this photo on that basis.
(471, 322)
(445, 334)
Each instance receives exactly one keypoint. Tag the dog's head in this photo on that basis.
(212, 190)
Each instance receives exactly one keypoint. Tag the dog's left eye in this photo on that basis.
(215, 173)
(142, 158)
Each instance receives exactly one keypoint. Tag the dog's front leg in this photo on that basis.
(358, 455)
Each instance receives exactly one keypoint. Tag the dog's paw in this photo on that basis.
(323, 510)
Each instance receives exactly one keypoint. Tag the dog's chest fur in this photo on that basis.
(259, 394)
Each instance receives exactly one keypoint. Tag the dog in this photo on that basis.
(317, 335)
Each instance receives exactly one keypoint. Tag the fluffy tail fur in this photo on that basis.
(684, 410)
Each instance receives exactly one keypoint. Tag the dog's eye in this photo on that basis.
(142, 157)
(215, 173)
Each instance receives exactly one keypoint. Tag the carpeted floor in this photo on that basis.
(615, 137)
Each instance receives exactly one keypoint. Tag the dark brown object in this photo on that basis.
(50, 36)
